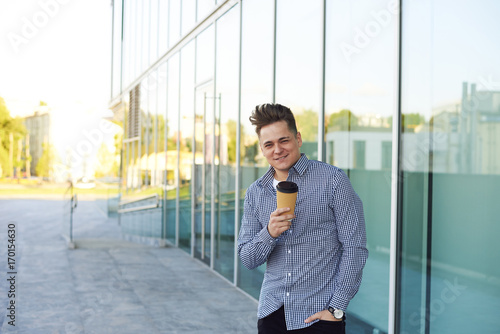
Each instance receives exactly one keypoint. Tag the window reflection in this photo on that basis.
(450, 161)
(172, 131)
(358, 133)
(188, 15)
(256, 88)
(298, 69)
(117, 50)
(174, 24)
(226, 120)
(186, 135)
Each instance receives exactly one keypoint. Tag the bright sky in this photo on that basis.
(57, 51)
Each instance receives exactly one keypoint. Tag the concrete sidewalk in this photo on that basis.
(106, 284)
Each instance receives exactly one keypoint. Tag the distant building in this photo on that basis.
(38, 128)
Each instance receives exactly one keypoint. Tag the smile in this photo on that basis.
(281, 158)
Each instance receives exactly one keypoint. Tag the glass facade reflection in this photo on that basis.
(450, 167)
(402, 95)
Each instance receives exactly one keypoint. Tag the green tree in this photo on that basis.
(411, 121)
(45, 165)
(307, 125)
(107, 162)
(231, 128)
(251, 153)
(12, 130)
(343, 120)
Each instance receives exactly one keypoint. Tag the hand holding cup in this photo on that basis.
(281, 219)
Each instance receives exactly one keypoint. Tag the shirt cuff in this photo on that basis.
(338, 303)
(266, 238)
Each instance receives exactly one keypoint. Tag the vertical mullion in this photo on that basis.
(321, 114)
(178, 165)
(193, 145)
(236, 271)
(396, 185)
(274, 49)
(214, 148)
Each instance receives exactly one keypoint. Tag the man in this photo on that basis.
(315, 257)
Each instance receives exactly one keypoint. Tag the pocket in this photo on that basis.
(333, 327)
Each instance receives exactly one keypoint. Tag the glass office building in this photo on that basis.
(404, 96)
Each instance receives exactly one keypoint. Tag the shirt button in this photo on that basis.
(289, 274)
(288, 294)
(289, 251)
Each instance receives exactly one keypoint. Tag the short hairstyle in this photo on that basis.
(270, 113)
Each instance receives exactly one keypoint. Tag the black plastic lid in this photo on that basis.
(287, 187)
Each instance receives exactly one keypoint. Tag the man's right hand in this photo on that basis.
(279, 222)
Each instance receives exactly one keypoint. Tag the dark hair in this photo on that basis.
(270, 113)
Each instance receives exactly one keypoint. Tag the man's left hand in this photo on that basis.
(322, 315)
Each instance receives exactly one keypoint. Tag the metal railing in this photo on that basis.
(156, 197)
(72, 202)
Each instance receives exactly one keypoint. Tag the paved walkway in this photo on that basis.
(106, 284)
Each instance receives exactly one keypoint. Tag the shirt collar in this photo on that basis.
(300, 167)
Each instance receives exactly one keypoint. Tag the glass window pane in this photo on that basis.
(256, 88)
(160, 125)
(145, 140)
(298, 66)
(451, 167)
(205, 55)
(117, 49)
(359, 86)
(153, 127)
(188, 15)
(162, 27)
(187, 77)
(145, 40)
(153, 31)
(205, 7)
(172, 133)
(174, 23)
(227, 67)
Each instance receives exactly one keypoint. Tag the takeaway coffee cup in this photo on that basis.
(286, 193)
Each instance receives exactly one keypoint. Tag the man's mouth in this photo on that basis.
(281, 158)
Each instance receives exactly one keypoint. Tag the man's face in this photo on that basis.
(280, 147)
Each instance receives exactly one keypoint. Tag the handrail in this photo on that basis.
(139, 199)
(73, 203)
(139, 208)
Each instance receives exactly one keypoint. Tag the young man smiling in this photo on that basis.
(314, 258)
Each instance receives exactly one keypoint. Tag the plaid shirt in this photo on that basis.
(319, 261)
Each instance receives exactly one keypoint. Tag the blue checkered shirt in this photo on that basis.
(319, 261)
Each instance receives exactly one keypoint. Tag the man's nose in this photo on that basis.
(278, 149)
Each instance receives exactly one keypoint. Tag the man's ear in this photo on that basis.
(299, 139)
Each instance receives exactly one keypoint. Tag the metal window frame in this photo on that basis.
(236, 271)
(395, 228)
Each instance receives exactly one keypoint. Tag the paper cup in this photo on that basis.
(286, 193)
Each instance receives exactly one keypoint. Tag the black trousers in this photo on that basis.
(275, 324)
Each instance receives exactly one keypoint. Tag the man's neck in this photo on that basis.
(280, 176)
